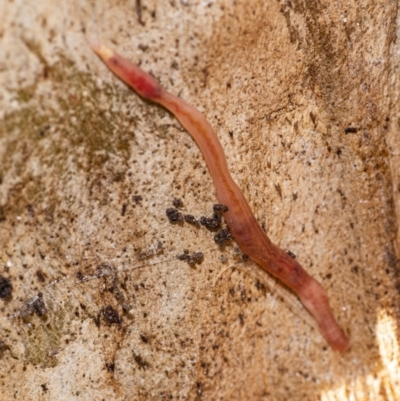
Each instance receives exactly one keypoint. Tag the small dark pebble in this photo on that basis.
(291, 254)
(140, 361)
(41, 276)
(30, 210)
(189, 218)
(143, 47)
(79, 275)
(3, 347)
(223, 236)
(137, 198)
(220, 208)
(350, 130)
(184, 256)
(174, 216)
(177, 203)
(39, 306)
(5, 287)
(211, 223)
(123, 209)
(110, 315)
(110, 366)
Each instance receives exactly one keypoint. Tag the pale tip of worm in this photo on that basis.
(102, 51)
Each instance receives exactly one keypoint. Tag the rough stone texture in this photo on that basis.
(305, 99)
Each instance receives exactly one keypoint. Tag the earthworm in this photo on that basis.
(242, 223)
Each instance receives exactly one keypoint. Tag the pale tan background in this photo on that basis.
(280, 81)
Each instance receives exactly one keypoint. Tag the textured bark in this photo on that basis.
(305, 99)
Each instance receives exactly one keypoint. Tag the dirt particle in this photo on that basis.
(44, 130)
(260, 286)
(79, 275)
(177, 203)
(140, 361)
(5, 287)
(41, 276)
(123, 209)
(39, 306)
(189, 218)
(110, 366)
(2, 215)
(211, 223)
(110, 315)
(143, 47)
(291, 254)
(278, 189)
(36, 305)
(139, 12)
(351, 130)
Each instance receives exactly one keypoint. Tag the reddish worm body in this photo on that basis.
(244, 227)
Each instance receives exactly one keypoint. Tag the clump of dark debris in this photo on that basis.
(223, 236)
(193, 259)
(214, 222)
(211, 223)
(218, 208)
(174, 215)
